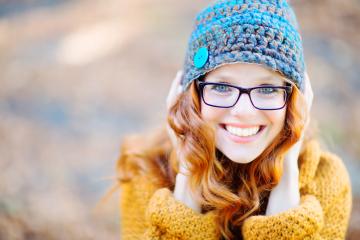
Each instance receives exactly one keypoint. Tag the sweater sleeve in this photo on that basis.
(134, 197)
(152, 213)
(176, 219)
(323, 213)
(295, 223)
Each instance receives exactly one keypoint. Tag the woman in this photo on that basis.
(236, 159)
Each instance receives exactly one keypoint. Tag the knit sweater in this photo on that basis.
(149, 211)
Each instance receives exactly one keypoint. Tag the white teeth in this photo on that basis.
(242, 132)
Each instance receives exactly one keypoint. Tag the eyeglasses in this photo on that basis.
(263, 97)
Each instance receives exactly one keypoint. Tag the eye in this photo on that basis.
(267, 90)
(221, 88)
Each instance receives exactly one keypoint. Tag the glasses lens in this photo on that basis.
(268, 97)
(220, 95)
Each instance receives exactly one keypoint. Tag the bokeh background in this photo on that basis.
(77, 76)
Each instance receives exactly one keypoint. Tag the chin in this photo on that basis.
(239, 159)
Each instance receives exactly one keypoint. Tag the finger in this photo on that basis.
(175, 90)
(308, 91)
(178, 79)
(307, 85)
(173, 85)
(183, 169)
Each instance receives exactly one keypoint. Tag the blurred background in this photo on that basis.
(77, 76)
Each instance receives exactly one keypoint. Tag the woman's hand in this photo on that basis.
(286, 194)
(182, 191)
(173, 95)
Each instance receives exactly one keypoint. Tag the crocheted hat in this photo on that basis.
(252, 31)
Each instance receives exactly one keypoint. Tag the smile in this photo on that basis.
(243, 134)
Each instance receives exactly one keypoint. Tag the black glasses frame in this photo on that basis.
(200, 85)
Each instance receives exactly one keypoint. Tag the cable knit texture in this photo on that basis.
(151, 212)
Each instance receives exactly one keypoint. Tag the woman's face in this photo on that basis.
(233, 124)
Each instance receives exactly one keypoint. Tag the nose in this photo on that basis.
(243, 106)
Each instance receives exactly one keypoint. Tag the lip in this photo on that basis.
(238, 139)
(240, 125)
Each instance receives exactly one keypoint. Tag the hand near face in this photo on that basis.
(286, 194)
(173, 95)
(182, 191)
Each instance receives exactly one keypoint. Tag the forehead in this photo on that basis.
(244, 74)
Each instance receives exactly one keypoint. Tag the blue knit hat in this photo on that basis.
(252, 31)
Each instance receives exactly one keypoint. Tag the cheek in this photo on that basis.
(212, 114)
(276, 118)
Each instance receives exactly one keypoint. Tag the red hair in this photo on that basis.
(236, 191)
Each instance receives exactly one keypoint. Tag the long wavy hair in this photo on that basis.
(235, 191)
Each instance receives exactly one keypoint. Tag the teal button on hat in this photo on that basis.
(201, 57)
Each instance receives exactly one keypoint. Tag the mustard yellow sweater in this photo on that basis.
(151, 212)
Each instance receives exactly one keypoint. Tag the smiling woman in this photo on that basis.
(236, 159)
(233, 114)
